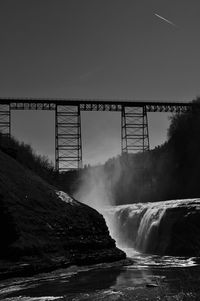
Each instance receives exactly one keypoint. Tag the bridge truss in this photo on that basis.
(68, 142)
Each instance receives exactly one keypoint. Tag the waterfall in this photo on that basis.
(149, 227)
(147, 233)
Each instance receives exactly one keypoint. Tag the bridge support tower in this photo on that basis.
(134, 131)
(5, 119)
(68, 142)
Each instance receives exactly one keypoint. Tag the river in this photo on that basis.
(146, 277)
(143, 277)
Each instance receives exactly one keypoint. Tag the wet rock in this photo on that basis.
(151, 285)
(179, 233)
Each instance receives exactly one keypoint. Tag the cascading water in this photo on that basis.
(163, 228)
(156, 228)
(147, 233)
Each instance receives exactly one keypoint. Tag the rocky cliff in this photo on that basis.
(179, 230)
(43, 229)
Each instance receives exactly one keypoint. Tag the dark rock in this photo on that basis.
(43, 229)
(184, 231)
(151, 285)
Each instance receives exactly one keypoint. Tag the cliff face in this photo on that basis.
(41, 228)
(179, 232)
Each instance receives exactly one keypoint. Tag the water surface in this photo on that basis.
(147, 277)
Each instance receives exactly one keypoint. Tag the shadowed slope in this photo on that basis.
(46, 228)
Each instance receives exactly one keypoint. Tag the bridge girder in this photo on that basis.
(96, 105)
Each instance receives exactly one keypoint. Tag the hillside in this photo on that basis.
(43, 229)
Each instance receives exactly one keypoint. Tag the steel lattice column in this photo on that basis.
(134, 132)
(68, 138)
(5, 119)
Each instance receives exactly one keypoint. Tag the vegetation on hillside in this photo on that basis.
(26, 156)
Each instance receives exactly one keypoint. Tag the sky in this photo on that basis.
(109, 49)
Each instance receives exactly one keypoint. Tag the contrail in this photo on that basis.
(169, 22)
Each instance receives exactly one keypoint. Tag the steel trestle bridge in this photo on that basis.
(68, 142)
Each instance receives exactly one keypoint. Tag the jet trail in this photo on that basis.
(162, 18)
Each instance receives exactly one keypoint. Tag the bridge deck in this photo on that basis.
(94, 104)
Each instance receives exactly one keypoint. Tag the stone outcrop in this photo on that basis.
(179, 231)
(43, 229)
